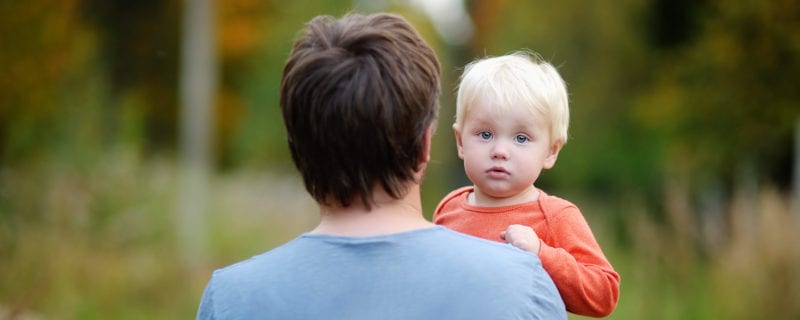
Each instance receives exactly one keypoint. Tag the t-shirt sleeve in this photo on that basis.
(206, 309)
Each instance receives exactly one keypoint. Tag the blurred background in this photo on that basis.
(141, 145)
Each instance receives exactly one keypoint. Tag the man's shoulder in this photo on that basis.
(458, 242)
(481, 267)
(272, 259)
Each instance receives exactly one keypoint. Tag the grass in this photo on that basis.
(672, 270)
(97, 240)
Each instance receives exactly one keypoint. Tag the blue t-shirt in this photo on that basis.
(431, 273)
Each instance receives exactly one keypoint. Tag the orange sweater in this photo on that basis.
(569, 252)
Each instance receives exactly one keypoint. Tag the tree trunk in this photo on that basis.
(796, 169)
(197, 95)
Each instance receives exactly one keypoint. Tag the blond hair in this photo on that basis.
(520, 78)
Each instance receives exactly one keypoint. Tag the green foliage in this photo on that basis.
(728, 96)
(47, 50)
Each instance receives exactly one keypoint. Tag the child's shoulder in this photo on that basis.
(554, 204)
(453, 195)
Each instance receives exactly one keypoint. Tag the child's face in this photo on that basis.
(504, 152)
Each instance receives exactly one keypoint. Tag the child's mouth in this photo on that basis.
(497, 172)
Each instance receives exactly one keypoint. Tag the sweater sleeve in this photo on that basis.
(585, 279)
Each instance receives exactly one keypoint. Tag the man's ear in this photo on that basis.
(459, 145)
(427, 141)
(552, 155)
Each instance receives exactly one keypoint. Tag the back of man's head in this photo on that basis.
(357, 95)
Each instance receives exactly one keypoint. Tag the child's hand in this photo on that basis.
(522, 237)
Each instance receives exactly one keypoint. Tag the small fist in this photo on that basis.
(522, 237)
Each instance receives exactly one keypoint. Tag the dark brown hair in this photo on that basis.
(357, 95)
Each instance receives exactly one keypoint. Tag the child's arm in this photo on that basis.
(584, 277)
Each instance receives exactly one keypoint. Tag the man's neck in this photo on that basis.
(387, 216)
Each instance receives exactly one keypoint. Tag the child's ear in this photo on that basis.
(459, 145)
(552, 156)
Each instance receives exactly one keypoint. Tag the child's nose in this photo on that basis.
(499, 152)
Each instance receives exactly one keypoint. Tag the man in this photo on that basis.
(359, 97)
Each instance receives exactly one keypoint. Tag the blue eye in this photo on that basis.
(486, 135)
(521, 138)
